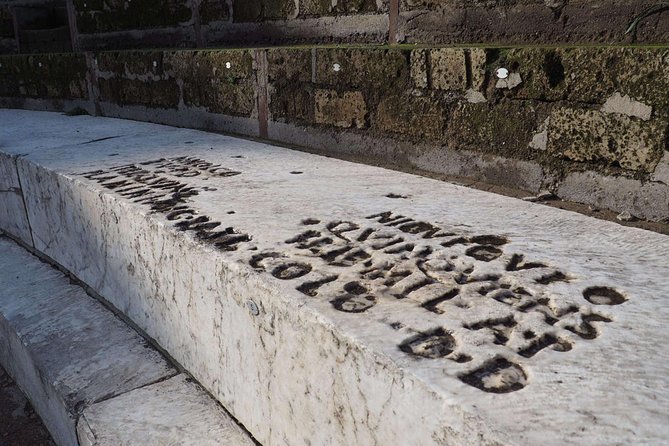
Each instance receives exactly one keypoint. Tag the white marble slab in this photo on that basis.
(444, 315)
(63, 348)
(13, 217)
(172, 412)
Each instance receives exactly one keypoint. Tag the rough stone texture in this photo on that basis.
(415, 116)
(259, 10)
(214, 11)
(589, 75)
(359, 68)
(288, 66)
(64, 349)
(448, 70)
(478, 60)
(345, 343)
(174, 411)
(55, 76)
(342, 28)
(589, 135)
(510, 82)
(505, 128)
(6, 23)
(7, 37)
(345, 110)
(98, 16)
(527, 21)
(419, 68)
(214, 81)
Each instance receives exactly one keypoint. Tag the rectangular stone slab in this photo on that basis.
(13, 218)
(324, 302)
(174, 411)
(63, 348)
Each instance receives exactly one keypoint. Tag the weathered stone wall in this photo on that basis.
(46, 77)
(109, 24)
(527, 21)
(589, 124)
(573, 109)
(7, 37)
(115, 24)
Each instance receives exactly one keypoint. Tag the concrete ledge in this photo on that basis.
(70, 355)
(324, 302)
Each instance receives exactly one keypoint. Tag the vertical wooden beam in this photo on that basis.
(92, 82)
(17, 34)
(72, 20)
(197, 22)
(393, 18)
(260, 56)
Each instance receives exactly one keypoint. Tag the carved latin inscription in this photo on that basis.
(492, 310)
(159, 185)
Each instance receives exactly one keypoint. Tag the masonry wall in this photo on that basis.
(7, 37)
(180, 23)
(115, 24)
(589, 124)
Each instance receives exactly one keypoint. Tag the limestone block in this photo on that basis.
(286, 66)
(341, 110)
(503, 128)
(315, 7)
(647, 200)
(414, 116)
(448, 69)
(589, 135)
(361, 68)
(419, 68)
(478, 59)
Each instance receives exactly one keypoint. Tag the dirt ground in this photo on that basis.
(19, 424)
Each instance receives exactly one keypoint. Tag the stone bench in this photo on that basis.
(92, 379)
(324, 302)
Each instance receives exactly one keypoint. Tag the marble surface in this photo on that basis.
(324, 302)
(172, 412)
(63, 348)
(13, 218)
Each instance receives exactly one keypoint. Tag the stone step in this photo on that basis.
(79, 365)
(325, 302)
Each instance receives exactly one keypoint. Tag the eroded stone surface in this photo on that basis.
(589, 135)
(174, 411)
(64, 349)
(12, 212)
(396, 300)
